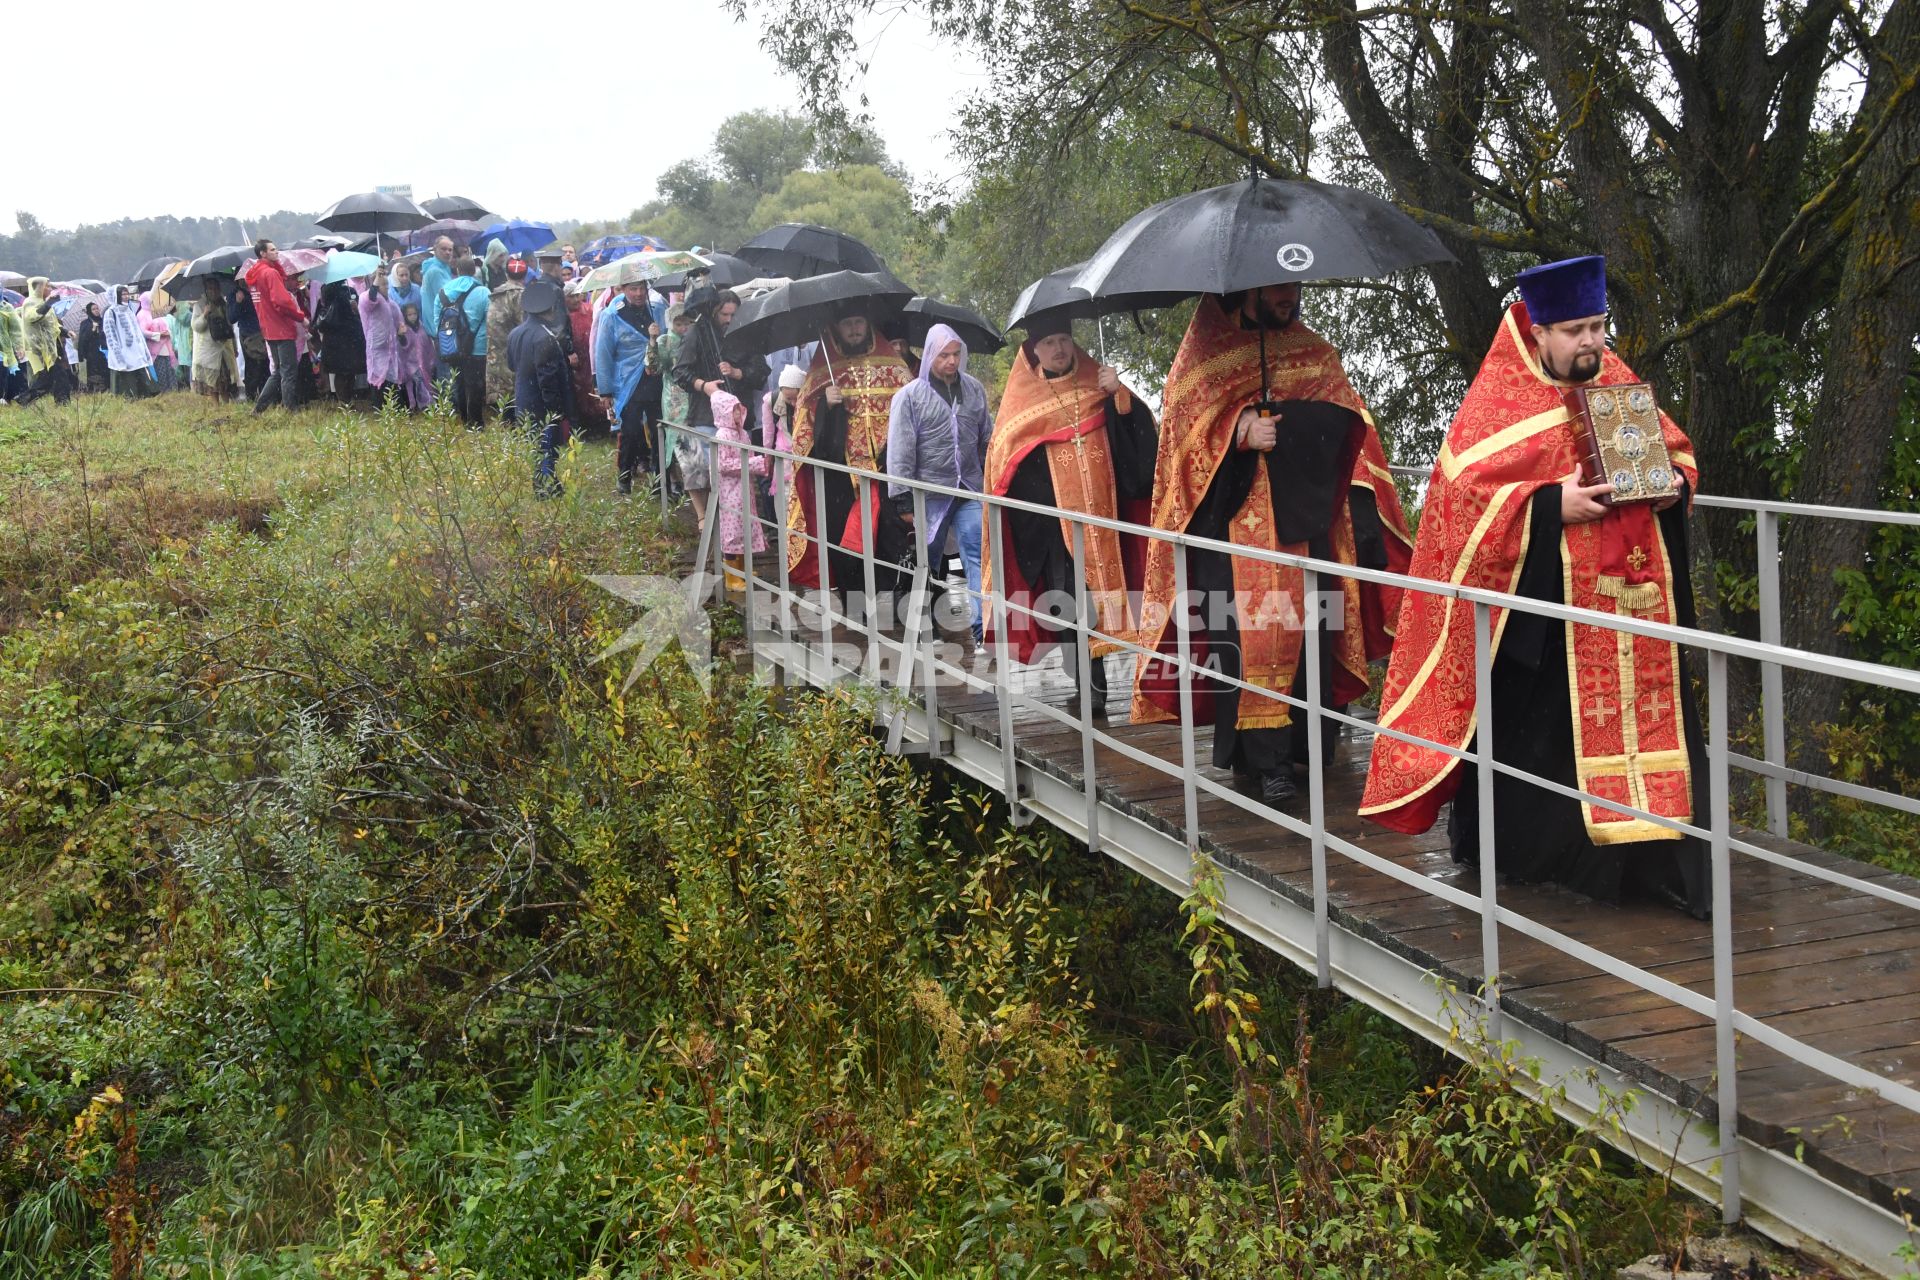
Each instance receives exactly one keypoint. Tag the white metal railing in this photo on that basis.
(1773, 768)
(917, 658)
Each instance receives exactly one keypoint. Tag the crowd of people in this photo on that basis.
(1262, 442)
(265, 333)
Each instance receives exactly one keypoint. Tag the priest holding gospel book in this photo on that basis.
(1511, 508)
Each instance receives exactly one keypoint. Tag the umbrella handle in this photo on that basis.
(1122, 399)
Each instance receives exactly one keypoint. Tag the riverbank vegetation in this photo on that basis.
(355, 923)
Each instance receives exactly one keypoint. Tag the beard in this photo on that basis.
(1269, 317)
(1579, 369)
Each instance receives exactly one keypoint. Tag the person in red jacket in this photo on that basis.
(281, 320)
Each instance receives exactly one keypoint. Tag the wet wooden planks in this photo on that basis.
(1829, 965)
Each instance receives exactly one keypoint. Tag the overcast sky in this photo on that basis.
(580, 135)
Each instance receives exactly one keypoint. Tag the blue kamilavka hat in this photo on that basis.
(1571, 289)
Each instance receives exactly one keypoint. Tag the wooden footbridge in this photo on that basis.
(1772, 1054)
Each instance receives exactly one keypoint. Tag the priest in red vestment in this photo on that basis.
(1264, 443)
(841, 416)
(1063, 439)
(1582, 705)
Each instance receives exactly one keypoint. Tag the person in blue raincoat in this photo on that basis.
(436, 274)
(619, 362)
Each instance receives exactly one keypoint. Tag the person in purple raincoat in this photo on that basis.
(937, 433)
(419, 358)
(380, 323)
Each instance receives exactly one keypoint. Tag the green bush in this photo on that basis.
(359, 924)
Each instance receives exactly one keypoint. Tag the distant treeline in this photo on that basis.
(113, 251)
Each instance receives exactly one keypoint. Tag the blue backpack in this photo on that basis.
(456, 331)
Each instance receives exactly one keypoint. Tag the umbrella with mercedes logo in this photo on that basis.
(1247, 235)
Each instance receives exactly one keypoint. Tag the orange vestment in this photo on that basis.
(1067, 417)
(1215, 376)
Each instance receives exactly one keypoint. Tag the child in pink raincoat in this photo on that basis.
(729, 425)
(419, 357)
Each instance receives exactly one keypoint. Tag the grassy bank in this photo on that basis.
(355, 924)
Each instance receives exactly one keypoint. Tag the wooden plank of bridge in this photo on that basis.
(1829, 965)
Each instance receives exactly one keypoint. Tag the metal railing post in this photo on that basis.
(1316, 786)
(1726, 1065)
(870, 534)
(822, 544)
(1083, 657)
(706, 557)
(713, 522)
(786, 582)
(1002, 680)
(1483, 776)
(1773, 717)
(922, 605)
(1183, 649)
(749, 526)
(666, 461)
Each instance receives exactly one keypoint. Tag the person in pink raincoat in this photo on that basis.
(776, 417)
(418, 358)
(380, 323)
(159, 335)
(729, 425)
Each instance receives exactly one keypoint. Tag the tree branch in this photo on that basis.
(1518, 241)
(1756, 291)
(1816, 27)
(1245, 150)
(1686, 72)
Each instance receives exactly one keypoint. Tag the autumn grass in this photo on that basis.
(100, 485)
(356, 921)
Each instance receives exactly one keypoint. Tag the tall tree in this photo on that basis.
(1745, 195)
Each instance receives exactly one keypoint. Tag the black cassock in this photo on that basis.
(1538, 835)
(1308, 469)
(892, 544)
(1039, 542)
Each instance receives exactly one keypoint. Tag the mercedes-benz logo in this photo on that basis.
(1294, 257)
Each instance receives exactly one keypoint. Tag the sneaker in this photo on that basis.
(1277, 789)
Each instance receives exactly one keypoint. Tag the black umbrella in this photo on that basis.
(795, 312)
(921, 314)
(374, 211)
(726, 272)
(150, 271)
(192, 282)
(1054, 297)
(223, 261)
(457, 207)
(1246, 235)
(800, 249)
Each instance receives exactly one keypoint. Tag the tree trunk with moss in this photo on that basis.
(1875, 318)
